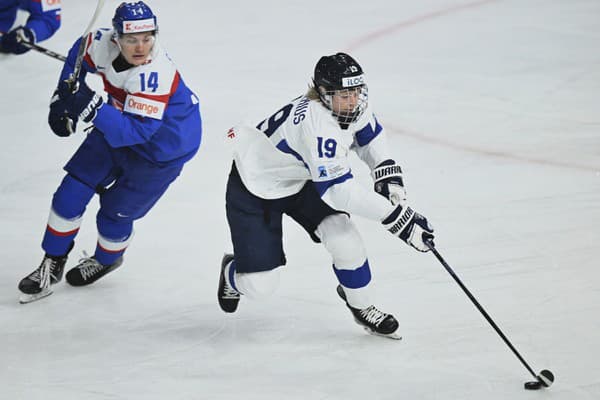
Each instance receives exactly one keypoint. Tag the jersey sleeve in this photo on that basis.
(87, 64)
(351, 197)
(44, 18)
(370, 142)
(8, 14)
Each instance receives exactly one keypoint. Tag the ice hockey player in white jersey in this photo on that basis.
(295, 162)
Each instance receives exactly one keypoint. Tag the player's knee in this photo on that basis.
(342, 240)
(258, 285)
(71, 197)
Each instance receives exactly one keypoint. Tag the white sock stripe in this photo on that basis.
(60, 224)
(112, 246)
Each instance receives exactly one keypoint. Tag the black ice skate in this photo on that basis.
(372, 320)
(36, 285)
(89, 270)
(228, 297)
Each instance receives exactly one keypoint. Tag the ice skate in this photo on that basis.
(89, 270)
(228, 297)
(372, 320)
(36, 285)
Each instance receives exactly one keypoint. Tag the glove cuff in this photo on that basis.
(398, 220)
(387, 169)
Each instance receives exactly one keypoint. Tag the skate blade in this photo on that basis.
(29, 298)
(392, 335)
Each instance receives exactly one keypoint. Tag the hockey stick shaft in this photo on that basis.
(82, 47)
(40, 49)
(44, 50)
(479, 307)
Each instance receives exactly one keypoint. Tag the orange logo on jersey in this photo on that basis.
(144, 107)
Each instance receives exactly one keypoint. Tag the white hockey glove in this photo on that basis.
(411, 227)
(389, 183)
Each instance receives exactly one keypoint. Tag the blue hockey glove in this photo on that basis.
(11, 42)
(61, 123)
(388, 182)
(84, 102)
(411, 227)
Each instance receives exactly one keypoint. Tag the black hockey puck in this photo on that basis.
(544, 379)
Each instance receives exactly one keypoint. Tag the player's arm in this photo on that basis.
(87, 64)
(331, 174)
(44, 18)
(333, 180)
(122, 128)
(43, 21)
(371, 146)
(62, 121)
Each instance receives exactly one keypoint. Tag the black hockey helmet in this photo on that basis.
(338, 71)
(340, 74)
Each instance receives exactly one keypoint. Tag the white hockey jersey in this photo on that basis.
(303, 141)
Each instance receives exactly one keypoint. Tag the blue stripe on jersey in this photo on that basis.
(366, 134)
(283, 146)
(323, 186)
(354, 278)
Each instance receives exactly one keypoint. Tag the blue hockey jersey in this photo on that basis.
(149, 108)
(44, 16)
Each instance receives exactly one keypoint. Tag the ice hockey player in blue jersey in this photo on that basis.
(140, 139)
(43, 22)
(296, 162)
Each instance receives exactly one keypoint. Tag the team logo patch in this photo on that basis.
(322, 171)
(49, 5)
(144, 107)
(353, 81)
(143, 25)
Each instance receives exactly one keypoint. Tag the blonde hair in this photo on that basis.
(312, 93)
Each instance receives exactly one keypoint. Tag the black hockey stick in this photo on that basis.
(545, 378)
(44, 50)
(72, 81)
(40, 49)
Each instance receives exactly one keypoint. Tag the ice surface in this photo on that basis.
(492, 110)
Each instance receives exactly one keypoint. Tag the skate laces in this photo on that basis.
(229, 292)
(42, 274)
(88, 266)
(373, 315)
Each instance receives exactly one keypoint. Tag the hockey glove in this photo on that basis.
(411, 227)
(388, 182)
(58, 118)
(11, 42)
(84, 102)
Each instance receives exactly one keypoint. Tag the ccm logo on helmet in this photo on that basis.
(353, 81)
(144, 107)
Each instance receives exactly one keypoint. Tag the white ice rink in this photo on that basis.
(489, 107)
